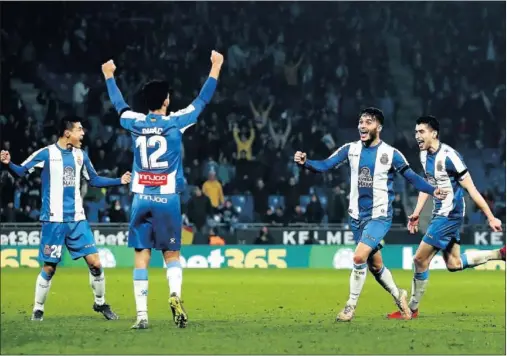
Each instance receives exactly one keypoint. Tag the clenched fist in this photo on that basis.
(217, 58)
(125, 179)
(108, 69)
(300, 157)
(5, 157)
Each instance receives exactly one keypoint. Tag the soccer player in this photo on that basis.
(157, 182)
(372, 165)
(445, 169)
(62, 215)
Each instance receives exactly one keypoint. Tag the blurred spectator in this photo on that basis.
(337, 206)
(214, 239)
(264, 237)
(314, 211)
(213, 190)
(198, 210)
(116, 213)
(244, 142)
(399, 215)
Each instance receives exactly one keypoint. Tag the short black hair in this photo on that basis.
(376, 113)
(431, 121)
(67, 123)
(154, 93)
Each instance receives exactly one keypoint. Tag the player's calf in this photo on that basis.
(42, 286)
(98, 284)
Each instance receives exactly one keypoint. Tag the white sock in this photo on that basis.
(471, 259)
(357, 278)
(98, 284)
(174, 277)
(141, 292)
(42, 286)
(419, 283)
(385, 279)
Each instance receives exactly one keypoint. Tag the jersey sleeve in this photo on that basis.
(454, 163)
(95, 180)
(187, 117)
(128, 119)
(36, 160)
(338, 157)
(400, 163)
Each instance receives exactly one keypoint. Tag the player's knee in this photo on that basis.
(171, 255)
(95, 267)
(48, 271)
(421, 262)
(375, 269)
(359, 260)
(453, 265)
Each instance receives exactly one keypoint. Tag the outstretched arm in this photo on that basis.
(36, 160)
(98, 181)
(467, 183)
(401, 165)
(337, 158)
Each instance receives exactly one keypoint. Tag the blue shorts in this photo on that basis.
(155, 222)
(77, 236)
(442, 231)
(371, 231)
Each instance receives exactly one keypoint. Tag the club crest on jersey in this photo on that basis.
(440, 166)
(431, 180)
(69, 177)
(365, 180)
(384, 159)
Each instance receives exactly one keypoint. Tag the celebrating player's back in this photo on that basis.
(157, 180)
(62, 215)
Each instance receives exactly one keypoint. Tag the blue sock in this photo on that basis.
(46, 276)
(464, 261)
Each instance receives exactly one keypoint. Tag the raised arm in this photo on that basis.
(337, 158)
(188, 116)
(36, 160)
(98, 181)
(113, 91)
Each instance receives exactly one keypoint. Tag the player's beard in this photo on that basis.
(372, 136)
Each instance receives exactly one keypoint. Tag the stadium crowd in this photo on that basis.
(296, 76)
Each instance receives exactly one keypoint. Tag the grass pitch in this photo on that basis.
(255, 312)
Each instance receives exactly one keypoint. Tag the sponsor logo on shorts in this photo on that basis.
(384, 159)
(153, 198)
(172, 240)
(47, 250)
(152, 179)
(69, 177)
(365, 180)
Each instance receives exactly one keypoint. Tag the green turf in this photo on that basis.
(255, 311)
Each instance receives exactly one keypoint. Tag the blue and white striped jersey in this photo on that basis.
(371, 176)
(444, 169)
(61, 181)
(157, 139)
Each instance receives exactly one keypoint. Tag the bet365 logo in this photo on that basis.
(14, 258)
(237, 258)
